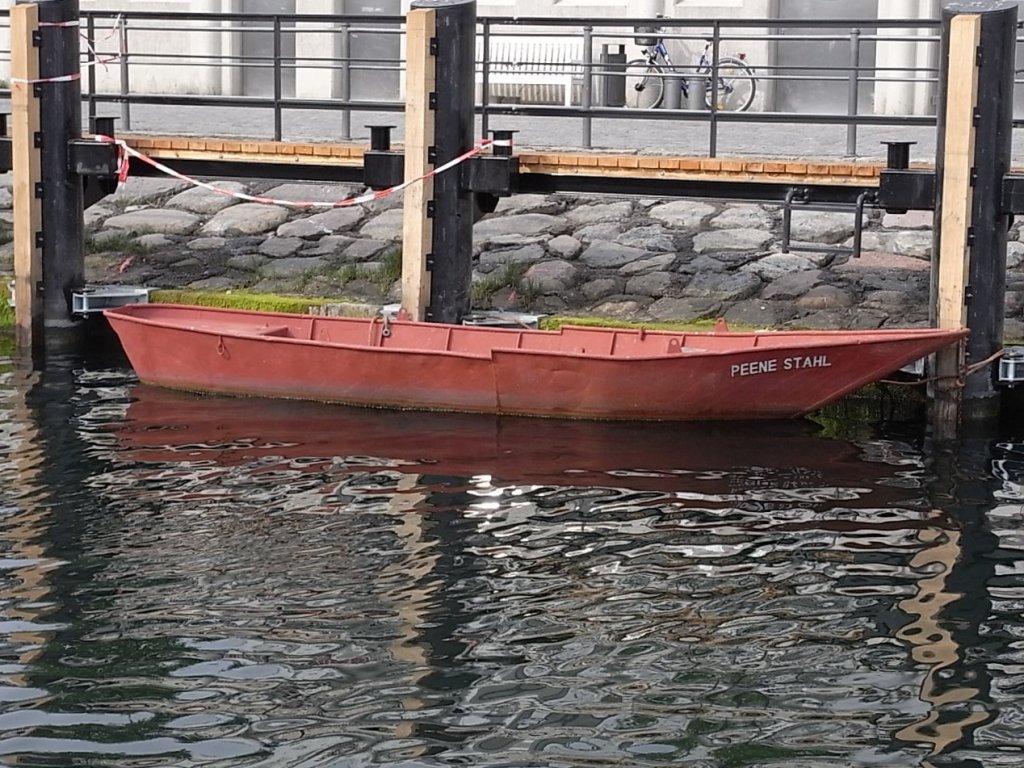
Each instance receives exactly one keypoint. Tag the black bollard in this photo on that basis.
(975, 114)
(451, 266)
(60, 96)
(897, 154)
(380, 137)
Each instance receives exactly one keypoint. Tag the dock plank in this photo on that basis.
(623, 165)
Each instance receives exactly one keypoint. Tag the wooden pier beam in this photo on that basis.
(973, 155)
(25, 157)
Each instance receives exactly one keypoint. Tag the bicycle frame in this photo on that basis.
(704, 65)
(722, 82)
(659, 50)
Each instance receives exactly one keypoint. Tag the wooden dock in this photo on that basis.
(550, 163)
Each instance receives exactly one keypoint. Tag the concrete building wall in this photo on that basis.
(898, 61)
(201, 75)
(812, 50)
(151, 72)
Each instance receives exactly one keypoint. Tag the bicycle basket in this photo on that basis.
(649, 40)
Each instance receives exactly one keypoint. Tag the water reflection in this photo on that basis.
(250, 583)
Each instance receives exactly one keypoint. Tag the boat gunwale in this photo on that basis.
(821, 338)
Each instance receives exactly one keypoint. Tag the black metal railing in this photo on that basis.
(312, 74)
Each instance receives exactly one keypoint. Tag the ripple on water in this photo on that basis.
(221, 584)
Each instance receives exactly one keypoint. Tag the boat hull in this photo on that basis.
(591, 373)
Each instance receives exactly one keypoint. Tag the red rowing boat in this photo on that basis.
(575, 372)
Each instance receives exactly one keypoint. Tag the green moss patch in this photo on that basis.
(264, 302)
(117, 242)
(6, 314)
(554, 322)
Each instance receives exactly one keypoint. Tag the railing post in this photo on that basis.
(586, 96)
(485, 80)
(853, 101)
(122, 48)
(345, 83)
(974, 139)
(716, 47)
(278, 91)
(90, 39)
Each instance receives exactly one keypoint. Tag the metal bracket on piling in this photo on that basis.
(95, 161)
(493, 176)
(901, 189)
(382, 167)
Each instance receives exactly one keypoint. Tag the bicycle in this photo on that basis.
(645, 78)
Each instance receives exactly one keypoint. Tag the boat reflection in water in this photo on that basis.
(730, 457)
(325, 585)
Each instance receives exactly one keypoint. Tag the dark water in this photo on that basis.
(239, 583)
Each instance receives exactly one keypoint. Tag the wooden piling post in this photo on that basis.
(439, 93)
(417, 226)
(954, 212)
(973, 156)
(26, 162)
(50, 261)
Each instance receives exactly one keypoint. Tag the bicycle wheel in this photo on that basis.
(644, 84)
(736, 86)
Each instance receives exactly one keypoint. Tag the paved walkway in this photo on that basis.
(652, 136)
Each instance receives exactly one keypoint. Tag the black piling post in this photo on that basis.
(975, 114)
(451, 262)
(60, 95)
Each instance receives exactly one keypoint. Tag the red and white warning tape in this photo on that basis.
(97, 59)
(126, 153)
(36, 80)
(115, 29)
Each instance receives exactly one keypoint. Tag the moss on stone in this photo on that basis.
(554, 322)
(6, 314)
(264, 302)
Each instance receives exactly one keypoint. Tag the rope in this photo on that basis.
(960, 378)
